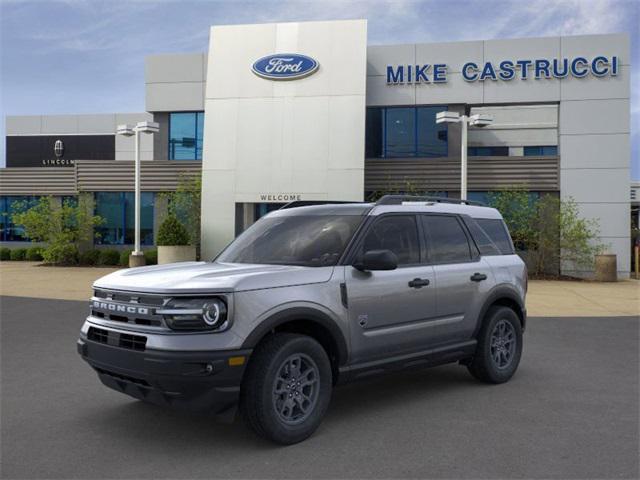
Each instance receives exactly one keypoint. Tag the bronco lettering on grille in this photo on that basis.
(118, 307)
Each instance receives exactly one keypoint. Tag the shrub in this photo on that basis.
(124, 257)
(5, 253)
(62, 227)
(172, 232)
(34, 254)
(185, 203)
(90, 257)
(61, 254)
(109, 257)
(18, 254)
(151, 257)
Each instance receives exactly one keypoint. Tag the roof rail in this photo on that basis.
(307, 203)
(399, 199)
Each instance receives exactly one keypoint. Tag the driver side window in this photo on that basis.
(398, 233)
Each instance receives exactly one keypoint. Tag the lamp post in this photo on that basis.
(136, 259)
(477, 120)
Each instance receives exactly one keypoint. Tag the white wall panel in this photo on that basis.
(301, 136)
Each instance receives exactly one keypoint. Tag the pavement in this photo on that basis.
(571, 411)
(545, 298)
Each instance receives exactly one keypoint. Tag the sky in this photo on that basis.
(87, 56)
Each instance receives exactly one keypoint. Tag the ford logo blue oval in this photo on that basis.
(285, 66)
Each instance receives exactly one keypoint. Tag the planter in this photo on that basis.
(606, 268)
(176, 253)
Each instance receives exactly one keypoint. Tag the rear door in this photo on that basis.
(462, 277)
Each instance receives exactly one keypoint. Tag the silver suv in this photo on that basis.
(309, 297)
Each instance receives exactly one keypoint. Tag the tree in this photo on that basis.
(62, 227)
(185, 204)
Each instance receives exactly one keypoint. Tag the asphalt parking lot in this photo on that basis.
(570, 412)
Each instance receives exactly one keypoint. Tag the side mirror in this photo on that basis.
(377, 260)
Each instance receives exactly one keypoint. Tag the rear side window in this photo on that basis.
(498, 233)
(446, 239)
(484, 243)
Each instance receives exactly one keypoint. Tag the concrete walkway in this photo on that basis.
(545, 298)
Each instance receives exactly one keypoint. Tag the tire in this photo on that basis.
(497, 363)
(277, 408)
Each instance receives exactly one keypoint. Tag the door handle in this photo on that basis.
(478, 277)
(419, 283)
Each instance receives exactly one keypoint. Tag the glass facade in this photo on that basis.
(117, 211)
(488, 151)
(405, 132)
(485, 197)
(10, 232)
(544, 151)
(185, 135)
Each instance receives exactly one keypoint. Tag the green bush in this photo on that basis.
(61, 254)
(124, 257)
(172, 232)
(34, 254)
(109, 257)
(61, 227)
(5, 253)
(151, 257)
(90, 257)
(18, 254)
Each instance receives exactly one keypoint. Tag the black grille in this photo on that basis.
(122, 340)
(130, 297)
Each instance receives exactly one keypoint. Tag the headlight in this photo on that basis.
(195, 314)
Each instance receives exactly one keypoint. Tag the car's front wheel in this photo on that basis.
(499, 346)
(287, 388)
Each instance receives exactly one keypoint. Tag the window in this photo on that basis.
(447, 241)
(488, 151)
(498, 233)
(117, 211)
(397, 233)
(484, 243)
(405, 132)
(10, 232)
(305, 240)
(185, 135)
(545, 151)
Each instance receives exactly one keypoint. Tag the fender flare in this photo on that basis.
(498, 293)
(300, 313)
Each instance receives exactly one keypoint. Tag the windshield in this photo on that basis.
(310, 241)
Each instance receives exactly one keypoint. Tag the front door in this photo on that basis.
(389, 311)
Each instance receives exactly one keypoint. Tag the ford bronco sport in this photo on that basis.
(309, 297)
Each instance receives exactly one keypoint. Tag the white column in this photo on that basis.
(463, 157)
(136, 248)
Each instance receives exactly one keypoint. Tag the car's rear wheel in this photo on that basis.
(499, 346)
(287, 388)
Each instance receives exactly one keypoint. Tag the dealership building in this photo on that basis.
(308, 111)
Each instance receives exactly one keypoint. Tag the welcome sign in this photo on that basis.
(506, 70)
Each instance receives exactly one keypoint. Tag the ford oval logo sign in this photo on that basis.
(285, 66)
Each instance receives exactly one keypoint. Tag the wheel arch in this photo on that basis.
(306, 321)
(506, 296)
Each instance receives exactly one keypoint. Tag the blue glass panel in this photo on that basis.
(109, 206)
(8, 206)
(146, 218)
(478, 197)
(199, 134)
(550, 150)
(400, 129)
(432, 137)
(185, 135)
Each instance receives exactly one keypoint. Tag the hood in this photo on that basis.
(206, 277)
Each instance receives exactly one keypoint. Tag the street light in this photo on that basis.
(477, 120)
(136, 259)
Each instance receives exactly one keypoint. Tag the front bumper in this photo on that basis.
(201, 381)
